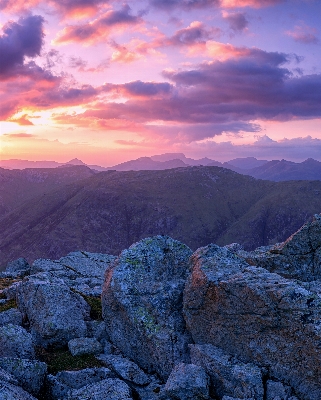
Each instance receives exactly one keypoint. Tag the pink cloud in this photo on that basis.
(75, 8)
(221, 51)
(23, 120)
(198, 4)
(249, 3)
(304, 34)
(19, 135)
(100, 28)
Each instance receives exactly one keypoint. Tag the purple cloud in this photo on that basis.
(217, 97)
(170, 4)
(194, 4)
(19, 40)
(237, 21)
(196, 32)
(122, 16)
(297, 149)
(100, 28)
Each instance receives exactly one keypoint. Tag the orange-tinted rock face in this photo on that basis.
(257, 316)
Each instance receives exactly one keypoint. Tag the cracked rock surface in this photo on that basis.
(142, 303)
(257, 316)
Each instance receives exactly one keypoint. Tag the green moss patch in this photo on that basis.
(95, 307)
(62, 360)
(9, 304)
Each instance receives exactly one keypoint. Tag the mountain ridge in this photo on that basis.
(107, 211)
(275, 170)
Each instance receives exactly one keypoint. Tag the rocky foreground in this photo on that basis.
(219, 323)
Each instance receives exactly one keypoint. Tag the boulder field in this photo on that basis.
(160, 322)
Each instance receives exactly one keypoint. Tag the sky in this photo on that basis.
(110, 81)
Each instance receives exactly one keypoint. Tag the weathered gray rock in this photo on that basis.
(187, 382)
(45, 265)
(299, 257)
(11, 316)
(84, 345)
(11, 291)
(125, 368)
(256, 316)
(234, 398)
(153, 391)
(277, 391)
(18, 268)
(55, 313)
(12, 392)
(142, 303)
(6, 377)
(228, 375)
(87, 264)
(234, 247)
(60, 385)
(80, 270)
(108, 389)
(15, 341)
(97, 330)
(30, 374)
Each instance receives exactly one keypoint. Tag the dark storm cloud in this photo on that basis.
(20, 40)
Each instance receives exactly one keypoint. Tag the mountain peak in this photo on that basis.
(75, 161)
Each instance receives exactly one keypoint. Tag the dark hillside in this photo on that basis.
(109, 211)
(18, 186)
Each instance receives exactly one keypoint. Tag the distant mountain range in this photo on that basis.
(276, 170)
(50, 212)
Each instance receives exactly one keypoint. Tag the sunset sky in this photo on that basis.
(109, 81)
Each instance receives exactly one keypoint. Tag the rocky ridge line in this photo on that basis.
(220, 323)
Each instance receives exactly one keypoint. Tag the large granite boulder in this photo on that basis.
(81, 346)
(125, 369)
(108, 389)
(60, 385)
(30, 374)
(6, 377)
(256, 316)
(228, 375)
(55, 313)
(15, 341)
(11, 316)
(299, 257)
(12, 392)
(142, 303)
(187, 382)
(17, 268)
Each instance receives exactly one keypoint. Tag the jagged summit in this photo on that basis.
(217, 324)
